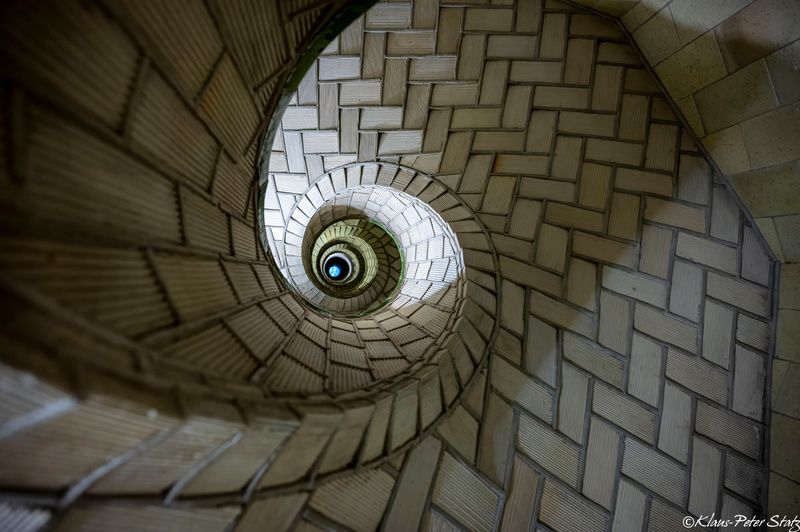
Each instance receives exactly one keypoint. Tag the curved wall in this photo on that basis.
(633, 300)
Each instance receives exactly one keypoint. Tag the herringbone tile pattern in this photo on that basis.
(627, 383)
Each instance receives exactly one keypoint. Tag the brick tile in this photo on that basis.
(635, 285)
(645, 370)
(553, 36)
(515, 111)
(549, 449)
(656, 247)
(754, 332)
(535, 72)
(511, 46)
(706, 475)
(581, 283)
(624, 219)
(496, 439)
(604, 249)
(624, 412)
(547, 189)
(743, 476)
(595, 179)
(578, 67)
(460, 431)
(493, 87)
(665, 327)
(750, 297)
(726, 428)
(513, 306)
(633, 119)
(494, 20)
(499, 194)
(724, 216)
(756, 264)
(561, 314)
(643, 181)
(607, 81)
(563, 509)
(524, 218)
(521, 389)
(601, 462)
(518, 511)
(460, 492)
(654, 471)
(552, 247)
(614, 322)
(541, 130)
(613, 151)
(561, 97)
(520, 164)
(748, 383)
(676, 423)
(586, 124)
(661, 145)
(594, 359)
(572, 403)
(630, 508)
(566, 158)
(717, 333)
(675, 214)
(412, 487)
(708, 252)
(686, 290)
(540, 356)
(698, 375)
(569, 216)
(694, 176)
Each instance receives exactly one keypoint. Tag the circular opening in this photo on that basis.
(337, 268)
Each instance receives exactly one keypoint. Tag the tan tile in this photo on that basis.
(785, 494)
(515, 111)
(547, 189)
(643, 181)
(521, 389)
(783, 457)
(494, 20)
(560, 314)
(645, 370)
(787, 335)
(748, 383)
(675, 214)
(511, 46)
(614, 331)
(581, 283)
(623, 411)
(693, 179)
(413, 485)
(624, 219)
(756, 333)
(498, 141)
(549, 449)
(460, 431)
(746, 93)
(493, 86)
(389, 16)
(593, 26)
(656, 248)
(665, 327)
(661, 145)
(572, 403)
(563, 509)
(725, 215)
(630, 508)
(785, 391)
(755, 31)
(658, 37)
(551, 248)
(449, 32)
(706, 473)
(499, 194)
(676, 423)
(595, 179)
(635, 285)
(728, 150)
(773, 137)
(692, 67)
(601, 462)
(553, 36)
(518, 510)
(724, 427)
(785, 78)
(541, 130)
(742, 294)
(698, 375)
(561, 97)
(535, 72)
(621, 54)
(497, 437)
(770, 191)
(594, 359)
(654, 471)
(604, 249)
(586, 124)
(460, 492)
(578, 66)
(569, 216)
(633, 120)
(717, 333)
(686, 290)
(540, 355)
(605, 93)
(613, 151)
(640, 80)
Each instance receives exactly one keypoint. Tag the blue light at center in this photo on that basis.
(334, 271)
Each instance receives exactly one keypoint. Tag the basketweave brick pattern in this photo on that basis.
(626, 383)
